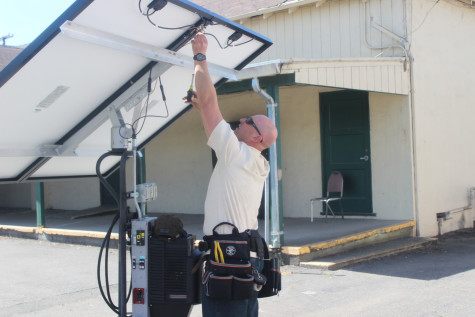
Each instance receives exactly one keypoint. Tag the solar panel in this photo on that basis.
(59, 97)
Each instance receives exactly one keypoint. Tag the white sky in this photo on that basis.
(26, 19)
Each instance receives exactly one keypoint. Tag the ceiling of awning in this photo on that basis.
(99, 57)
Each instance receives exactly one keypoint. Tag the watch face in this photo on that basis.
(199, 57)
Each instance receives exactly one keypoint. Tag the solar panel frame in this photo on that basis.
(75, 10)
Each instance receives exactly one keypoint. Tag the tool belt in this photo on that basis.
(228, 273)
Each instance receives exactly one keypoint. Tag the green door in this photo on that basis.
(344, 121)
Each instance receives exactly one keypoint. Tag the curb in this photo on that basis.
(367, 255)
(94, 238)
(295, 255)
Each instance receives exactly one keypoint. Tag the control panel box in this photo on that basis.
(141, 230)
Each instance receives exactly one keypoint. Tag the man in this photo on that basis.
(235, 188)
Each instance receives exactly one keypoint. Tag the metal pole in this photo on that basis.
(273, 175)
(266, 211)
(122, 238)
(40, 205)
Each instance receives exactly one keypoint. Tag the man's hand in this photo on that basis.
(199, 44)
(194, 101)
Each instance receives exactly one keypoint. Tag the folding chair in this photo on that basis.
(334, 193)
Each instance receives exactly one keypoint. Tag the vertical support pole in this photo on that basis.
(273, 91)
(122, 237)
(143, 176)
(40, 204)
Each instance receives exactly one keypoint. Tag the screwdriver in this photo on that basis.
(189, 93)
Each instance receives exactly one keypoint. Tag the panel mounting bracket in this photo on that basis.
(90, 35)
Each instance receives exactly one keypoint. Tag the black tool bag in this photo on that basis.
(228, 248)
(271, 271)
(228, 273)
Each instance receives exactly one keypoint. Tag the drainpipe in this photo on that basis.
(273, 176)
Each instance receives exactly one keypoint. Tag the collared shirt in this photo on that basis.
(235, 188)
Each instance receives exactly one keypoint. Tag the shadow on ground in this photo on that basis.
(453, 254)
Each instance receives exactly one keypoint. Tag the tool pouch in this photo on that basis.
(271, 271)
(228, 274)
(229, 248)
(228, 281)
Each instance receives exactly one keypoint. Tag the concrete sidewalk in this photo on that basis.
(96, 221)
(304, 241)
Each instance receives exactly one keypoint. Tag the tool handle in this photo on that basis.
(189, 94)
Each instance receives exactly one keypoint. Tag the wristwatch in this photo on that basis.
(199, 57)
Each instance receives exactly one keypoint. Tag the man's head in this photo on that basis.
(257, 131)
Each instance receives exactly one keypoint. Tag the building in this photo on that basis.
(380, 89)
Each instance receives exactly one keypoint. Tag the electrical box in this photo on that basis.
(147, 192)
(141, 230)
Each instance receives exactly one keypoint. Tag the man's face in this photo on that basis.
(247, 129)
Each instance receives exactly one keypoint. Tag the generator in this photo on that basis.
(163, 283)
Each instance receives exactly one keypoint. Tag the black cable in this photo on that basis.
(106, 238)
(146, 108)
(142, 12)
(184, 27)
(104, 182)
(106, 242)
(228, 43)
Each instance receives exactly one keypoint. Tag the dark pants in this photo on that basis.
(232, 308)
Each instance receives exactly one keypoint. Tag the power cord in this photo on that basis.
(106, 243)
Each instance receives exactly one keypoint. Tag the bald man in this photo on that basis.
(235, 188)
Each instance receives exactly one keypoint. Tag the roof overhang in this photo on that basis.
(289, 6)
(386, 75)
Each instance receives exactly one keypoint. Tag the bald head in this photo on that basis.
(268, 130)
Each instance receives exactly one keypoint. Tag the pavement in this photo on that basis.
(42, 278)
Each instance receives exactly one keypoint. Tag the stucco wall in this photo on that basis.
(74, 194)
(301, 155)
(391, 162)
(17, 196)
(444, 105)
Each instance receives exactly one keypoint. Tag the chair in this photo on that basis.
(334, 193)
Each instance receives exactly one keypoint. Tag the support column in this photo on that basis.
(40, 205)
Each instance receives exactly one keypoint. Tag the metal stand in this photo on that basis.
(122, 237)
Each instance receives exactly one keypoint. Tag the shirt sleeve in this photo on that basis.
(224, 142)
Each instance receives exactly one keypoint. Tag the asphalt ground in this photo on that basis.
(41, 278)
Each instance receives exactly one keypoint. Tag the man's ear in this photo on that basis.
(256, 139)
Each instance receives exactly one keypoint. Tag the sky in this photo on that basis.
(26, 19)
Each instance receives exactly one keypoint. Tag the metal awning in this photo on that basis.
(99, 59)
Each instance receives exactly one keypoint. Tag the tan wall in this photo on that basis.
(76, 194)
(17, 196)
(391, 161)
(301, 155)
(444, 106)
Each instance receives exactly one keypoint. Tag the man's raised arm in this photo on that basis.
(205, 98)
